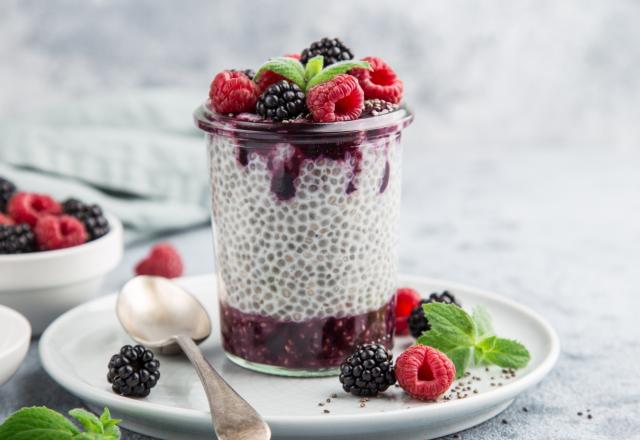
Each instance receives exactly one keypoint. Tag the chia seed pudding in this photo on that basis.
(305, 218)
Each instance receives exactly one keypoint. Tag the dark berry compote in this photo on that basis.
(305, 166)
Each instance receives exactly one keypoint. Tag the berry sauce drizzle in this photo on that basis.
(315, 343)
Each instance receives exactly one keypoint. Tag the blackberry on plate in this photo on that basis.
(133, 371)
(17, 239)
(7, 189)
(418, 322)
(281, 101)
(332, 49)
(367, 371)
(91, 216)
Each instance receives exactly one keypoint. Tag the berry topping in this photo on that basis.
(249, 72)
(162, 261)
(91, 217)
(424, 372)
(133, 371)
(59, 232)
(406, 300)
(233, 92)
(7, 189)
(28, 207)
(16, 239)
(295, 56)
(418, 322)
(6, 220)
(332, 49)
(282, 100)
(377, 107)
(380, 82)
(267, 79)
(339, 99)
(367, 371)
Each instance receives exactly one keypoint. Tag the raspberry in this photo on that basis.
(233, 92)
(406, 300)
(339, 99)
(59, 232)
(267, 79)
(295, 56)
(163, 261)
(6, 220)
(424, 372)
(379, 83)
(29, 207)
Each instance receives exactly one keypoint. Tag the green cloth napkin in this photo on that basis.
(136, 153)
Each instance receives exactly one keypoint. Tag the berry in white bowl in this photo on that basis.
(53, 255)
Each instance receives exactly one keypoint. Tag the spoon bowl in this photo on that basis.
(154, 310)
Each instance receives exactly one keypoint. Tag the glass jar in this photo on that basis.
(305, 219)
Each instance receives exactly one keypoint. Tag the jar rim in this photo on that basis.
(208, 120)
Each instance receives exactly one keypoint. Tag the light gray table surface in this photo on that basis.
(554, 228)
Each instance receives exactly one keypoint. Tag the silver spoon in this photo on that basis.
(159, 314)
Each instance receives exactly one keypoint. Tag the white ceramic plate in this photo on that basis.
(15, 335)
(76, 348)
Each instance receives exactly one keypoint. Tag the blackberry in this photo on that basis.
(367, 371)
(91, 216)
(418, 322)
(7, 189)
(17, 239)
(133, 371)
(332, 49)
(281, 101)
(376, 107)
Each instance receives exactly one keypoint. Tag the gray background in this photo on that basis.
(521, 170)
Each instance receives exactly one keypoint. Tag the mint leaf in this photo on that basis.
(314, 66)
(288, 67)
(89, 421)
(37, 423)
(40, 423)
(482, 320)
(505, 353)
(110, 425)
(452, 331)
(335, 69)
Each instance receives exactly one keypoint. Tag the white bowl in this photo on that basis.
(43, 285)
(15, 335)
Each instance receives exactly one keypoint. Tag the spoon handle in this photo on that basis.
(233, 418)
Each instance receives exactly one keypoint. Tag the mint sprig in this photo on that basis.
(290, 68)
(333, 70)
(41, 423)
(462, 336)
(312, 75)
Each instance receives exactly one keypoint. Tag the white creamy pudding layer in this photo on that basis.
(322, 253)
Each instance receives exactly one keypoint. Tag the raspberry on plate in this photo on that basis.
(424, 372)
(339, 99)
(27, 207)
(406, 300)
(59, 232)
(163, 261)
(381, 82)
(233, 92)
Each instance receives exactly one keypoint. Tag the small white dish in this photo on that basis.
(177, 407)
(43, 285)
(15, 335)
